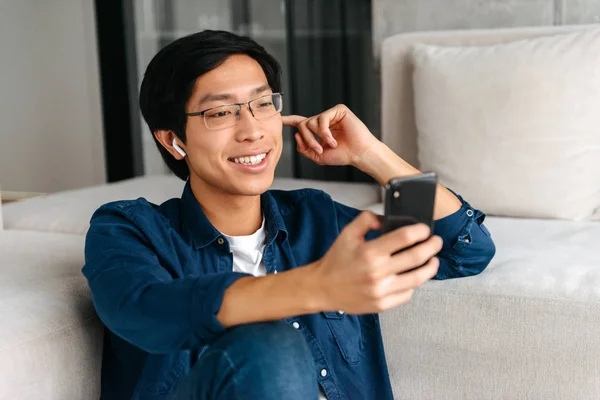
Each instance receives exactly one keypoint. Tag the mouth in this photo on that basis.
(254, 159)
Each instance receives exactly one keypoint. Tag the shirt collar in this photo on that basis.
(273, 219)
(204, 233)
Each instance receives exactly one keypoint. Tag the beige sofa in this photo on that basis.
(526, 328)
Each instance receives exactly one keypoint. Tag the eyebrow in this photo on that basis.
(229, 96)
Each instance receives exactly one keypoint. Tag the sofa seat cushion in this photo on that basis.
(528, 324)
(50, 337)
(70, 211)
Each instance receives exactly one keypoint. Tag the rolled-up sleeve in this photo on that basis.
(138, 299)
(468, 245)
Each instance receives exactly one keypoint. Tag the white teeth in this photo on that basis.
(251, 160)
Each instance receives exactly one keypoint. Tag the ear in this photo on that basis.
(165, 138)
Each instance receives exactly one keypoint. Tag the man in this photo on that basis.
(237, 292)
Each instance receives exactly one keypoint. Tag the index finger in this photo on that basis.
(292, 120)
(402, 238)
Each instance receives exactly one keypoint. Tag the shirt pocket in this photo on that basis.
(347, 333)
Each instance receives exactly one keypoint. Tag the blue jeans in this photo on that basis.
(256, 361)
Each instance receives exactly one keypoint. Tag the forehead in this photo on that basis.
(237, 74)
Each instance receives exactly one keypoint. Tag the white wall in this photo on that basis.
(392, 17)
(50, 112)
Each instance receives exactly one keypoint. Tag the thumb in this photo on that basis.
(292, 120)
(363, 223)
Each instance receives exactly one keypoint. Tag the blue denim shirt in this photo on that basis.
(158, 273)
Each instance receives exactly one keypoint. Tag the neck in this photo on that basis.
(231, 214)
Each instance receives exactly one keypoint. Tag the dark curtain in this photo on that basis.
(330, 61)
(118, 70)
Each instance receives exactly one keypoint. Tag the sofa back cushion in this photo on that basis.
(507, 118)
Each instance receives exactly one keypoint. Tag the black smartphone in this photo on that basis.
(409, 200)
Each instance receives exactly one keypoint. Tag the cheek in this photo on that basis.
(205, 147)
(275, 128)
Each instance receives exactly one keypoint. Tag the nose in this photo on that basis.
(247, 128)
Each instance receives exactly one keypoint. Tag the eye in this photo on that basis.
(266, 104)
(219, 114)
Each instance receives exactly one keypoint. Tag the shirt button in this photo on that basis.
(341, 312)
(220, 240)
(275, 271)
(323, 372)
(296, 325)
(469, 213)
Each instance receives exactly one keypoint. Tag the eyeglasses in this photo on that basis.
(228, 115)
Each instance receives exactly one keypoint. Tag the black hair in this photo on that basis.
(171, 74)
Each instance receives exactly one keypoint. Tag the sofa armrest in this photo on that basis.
(8, 197)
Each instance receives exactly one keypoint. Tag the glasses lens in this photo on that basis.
(267, 106)
(221, 117)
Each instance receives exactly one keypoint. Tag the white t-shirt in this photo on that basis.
(248, 257)
(248, 252)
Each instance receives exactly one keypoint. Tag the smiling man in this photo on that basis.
(234, 291)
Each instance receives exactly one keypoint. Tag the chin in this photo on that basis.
(255, 187)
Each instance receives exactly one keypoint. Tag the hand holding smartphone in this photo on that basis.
(410, 200)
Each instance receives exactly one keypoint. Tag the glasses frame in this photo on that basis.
(239, 112)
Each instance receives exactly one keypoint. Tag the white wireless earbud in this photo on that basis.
(179, 149)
